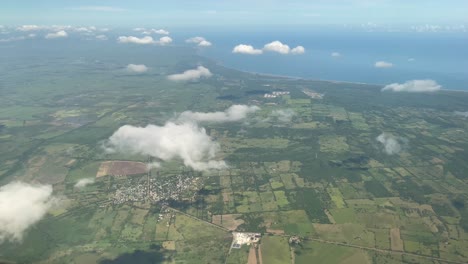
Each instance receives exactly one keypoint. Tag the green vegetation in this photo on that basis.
(321, 176)
(275, 250)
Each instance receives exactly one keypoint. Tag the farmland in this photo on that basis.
(319, 174)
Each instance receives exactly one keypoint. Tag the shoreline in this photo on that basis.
(290, 77)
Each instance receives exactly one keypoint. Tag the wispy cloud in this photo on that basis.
(200, 41)
(414, 86)
(335, 54)
(383, 64)
(58, 34)
(136, 68)
(391, 144)
(84, 182)
(232, 114)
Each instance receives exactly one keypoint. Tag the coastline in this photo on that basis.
(290, 77)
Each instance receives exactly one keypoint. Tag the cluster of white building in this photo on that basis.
(154, 190)
(275, 94)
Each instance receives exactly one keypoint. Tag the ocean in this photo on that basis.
(442, 57)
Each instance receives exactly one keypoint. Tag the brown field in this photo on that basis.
(396, 241)
(169, 245)
(228, 221)
(116, 168)
(330, 216)
(252, 256)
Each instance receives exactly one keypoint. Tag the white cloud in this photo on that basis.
(414, 86)
(21, 206)
(29, 28)
(204, 43)
(151, 31)
(336, 54)
(161, 31)
(383, 64)
(390, 143)
(184, 141)
(136, 40)
(411, 59)
(84, 182)
(99, 8)
(195, 40)
(464, 114)
(298, 50)
(191, 75)
(246, 49)
(101, 37)
(153, 165)
(232, 114)
(200, 41)
(283, 115)
(277, 46)
(164, 41)
(144, 40)
(137, 68)
(59, 34)
(29, 36)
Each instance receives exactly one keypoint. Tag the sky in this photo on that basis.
(233, 12)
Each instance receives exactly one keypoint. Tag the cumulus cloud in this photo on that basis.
(246, 49)
(414, 86)
(29, 28)
(164, 41)
(277, 46)
(390, 143)
(84, 182)
(191, 75)
(144, 40)
(232, 114)
(101, 37)
(298, 50)
(137, 68)
(283, 115)
(153, 31)
(21, 206)
(58, 34)
(336, 54)
(383, 64)
(200, 41)
(185, 141)
(136, 40)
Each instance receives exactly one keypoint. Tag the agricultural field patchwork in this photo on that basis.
(312, 172)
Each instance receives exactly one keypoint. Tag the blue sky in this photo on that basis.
(233, 12)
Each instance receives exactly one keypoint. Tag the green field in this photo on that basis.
(319, 173)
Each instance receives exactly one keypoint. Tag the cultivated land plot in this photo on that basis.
(323, 166)
(118, 168)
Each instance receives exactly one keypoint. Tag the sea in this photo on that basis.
(440, 56)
